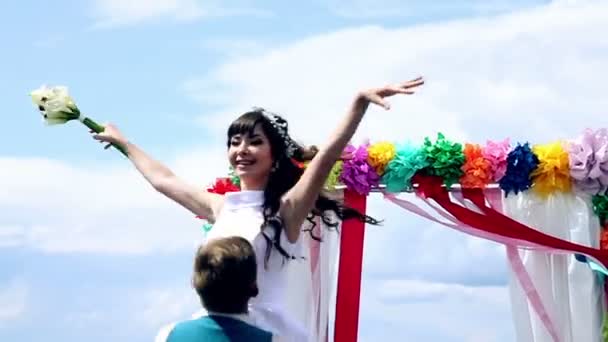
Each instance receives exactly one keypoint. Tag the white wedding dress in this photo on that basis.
(241, 215)
(296, 297)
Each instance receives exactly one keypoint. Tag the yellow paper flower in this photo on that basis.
(379, 155)
(553, 171)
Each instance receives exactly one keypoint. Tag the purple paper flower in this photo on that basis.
(589, 161)
(357, 174)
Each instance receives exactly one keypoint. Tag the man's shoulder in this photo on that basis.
(164, 332)
(231, 323)
(219, 326)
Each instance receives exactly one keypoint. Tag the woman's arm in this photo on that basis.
(299, 200)
(162, 179)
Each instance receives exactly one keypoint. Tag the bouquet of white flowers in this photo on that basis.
(57, 107)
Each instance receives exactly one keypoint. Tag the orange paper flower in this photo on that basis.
(477, 169)
(604, 238)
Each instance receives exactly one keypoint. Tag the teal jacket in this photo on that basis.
(217, 329)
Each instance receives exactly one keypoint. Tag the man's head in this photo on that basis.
(225, 272)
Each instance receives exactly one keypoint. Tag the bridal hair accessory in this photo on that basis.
(281, 126)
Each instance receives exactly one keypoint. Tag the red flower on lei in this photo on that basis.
(220, 187)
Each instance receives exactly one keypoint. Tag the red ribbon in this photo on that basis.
(495, 222)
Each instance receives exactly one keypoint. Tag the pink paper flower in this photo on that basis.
(496, 153)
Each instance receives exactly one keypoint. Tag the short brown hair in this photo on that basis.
(225, 272)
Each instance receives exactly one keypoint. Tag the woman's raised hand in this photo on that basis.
(378, 95)
(110, 135)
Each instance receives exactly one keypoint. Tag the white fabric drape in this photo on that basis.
(571, 293)
(312, 282)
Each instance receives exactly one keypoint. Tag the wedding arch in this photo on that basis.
(546, 203)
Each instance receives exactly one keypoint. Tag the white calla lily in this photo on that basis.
(40, 95)
(55, 104)
(57, 107)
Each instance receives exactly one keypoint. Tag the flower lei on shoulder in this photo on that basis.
(221, 186)
(232, 183)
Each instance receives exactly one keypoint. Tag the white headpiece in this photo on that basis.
(281, 126)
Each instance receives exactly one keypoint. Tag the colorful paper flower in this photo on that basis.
(379, 155)
(477, 170)
(588, 157)
(496, 154)
(446, 159)
(222, 186)
(299, 164)
(334, 175)
(553, 171)
(233, 177)
(604, 238)
(521, 161)
(408, 160)
(600, 207)
(357, 174)
(207, 227)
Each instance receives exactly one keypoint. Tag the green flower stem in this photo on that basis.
(95, 127)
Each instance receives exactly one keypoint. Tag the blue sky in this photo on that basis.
(87, 250)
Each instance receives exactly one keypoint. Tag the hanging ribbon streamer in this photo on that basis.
(492, 221)
(512, 254)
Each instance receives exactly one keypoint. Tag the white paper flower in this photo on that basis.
(55, 104)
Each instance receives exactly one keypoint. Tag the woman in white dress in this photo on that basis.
(276, 194)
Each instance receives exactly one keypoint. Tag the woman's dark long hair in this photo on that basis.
(284, 176)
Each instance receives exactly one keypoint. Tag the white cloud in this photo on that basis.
(11, 236)
(116, 12)
(13, 300)
(411, 247)
(112, 13)
(533, 75)
(418, 291)
(530, 75)
(361, 9)
(486, 78)
(145, 307)
(234, 47)
(428, 311)
(164, 306)
(56, 207)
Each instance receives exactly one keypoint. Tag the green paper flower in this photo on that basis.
(334, 175)
(446, 159)
(600, 207)
(207, 227)
(234, 178)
